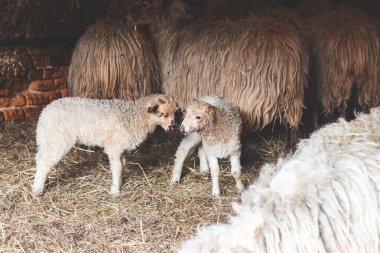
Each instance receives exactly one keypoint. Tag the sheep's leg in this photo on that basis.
(214, 168)
(183, 150)
(114, 157)
(203, 166)
(44, 163)
(236, 171)
(292, 136)
(315, 116)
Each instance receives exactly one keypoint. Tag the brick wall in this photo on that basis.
(34, 77)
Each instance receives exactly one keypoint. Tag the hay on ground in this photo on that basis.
(77, 214)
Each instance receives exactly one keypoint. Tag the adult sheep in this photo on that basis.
(113, 60)
(257, 63)
(324, 198)
(346, 48)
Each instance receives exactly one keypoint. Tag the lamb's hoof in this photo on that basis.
(239, 186)
(216, 194)
(204, 170)
(175, 180)
(123, 160)
(114, 192)
(37, 191)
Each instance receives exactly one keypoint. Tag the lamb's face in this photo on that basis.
(198, 115)
(162, 110)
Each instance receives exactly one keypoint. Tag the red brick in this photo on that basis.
(41, 98)
(5, 102)
(4, 92)
(35, 75)
(47, 73)
(43, 85)
(34, 51)
(11, 113)
(32, 111)
(17, 101)
(41, 61)
(64, 92)
(7, 114)
(62, 82)
(61, 72)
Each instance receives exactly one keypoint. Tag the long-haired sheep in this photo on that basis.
(324, 198)
(215, 125)
(259, 64)
(116, 125)
(113, 60)
(346, 47)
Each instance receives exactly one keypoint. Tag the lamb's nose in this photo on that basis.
(182, 128)
(172, 122)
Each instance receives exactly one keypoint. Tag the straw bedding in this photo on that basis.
(76, 213)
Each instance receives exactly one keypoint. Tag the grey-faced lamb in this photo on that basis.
(215, 125)
(324, 198)
(116, 125)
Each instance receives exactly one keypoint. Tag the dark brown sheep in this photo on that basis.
(345, 45)
(113, 60)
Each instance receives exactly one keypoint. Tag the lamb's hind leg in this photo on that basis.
(214, 169)
(236, 171)
(114, 157)
(183, 150)
(45, 161)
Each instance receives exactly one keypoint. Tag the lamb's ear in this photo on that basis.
(152, 108)
(210, 109)
(160, 101)
(208, 106)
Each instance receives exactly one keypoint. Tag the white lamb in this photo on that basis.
(215, 125)
(324, 198)
(116, 125)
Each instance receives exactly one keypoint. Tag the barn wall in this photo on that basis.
(36, 42)
(31, 78)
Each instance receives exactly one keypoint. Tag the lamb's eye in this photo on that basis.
(198, 117)
(160, 114)
(166, 115)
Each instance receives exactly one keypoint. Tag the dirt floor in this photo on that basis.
(77, 214)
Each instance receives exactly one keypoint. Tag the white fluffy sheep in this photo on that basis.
(215, 124)
(324, 198)
(116, 125)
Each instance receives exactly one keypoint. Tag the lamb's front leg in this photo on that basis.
(114, 157)
(183, 150)
(214, 168)
(203, 165)
(236, 170)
